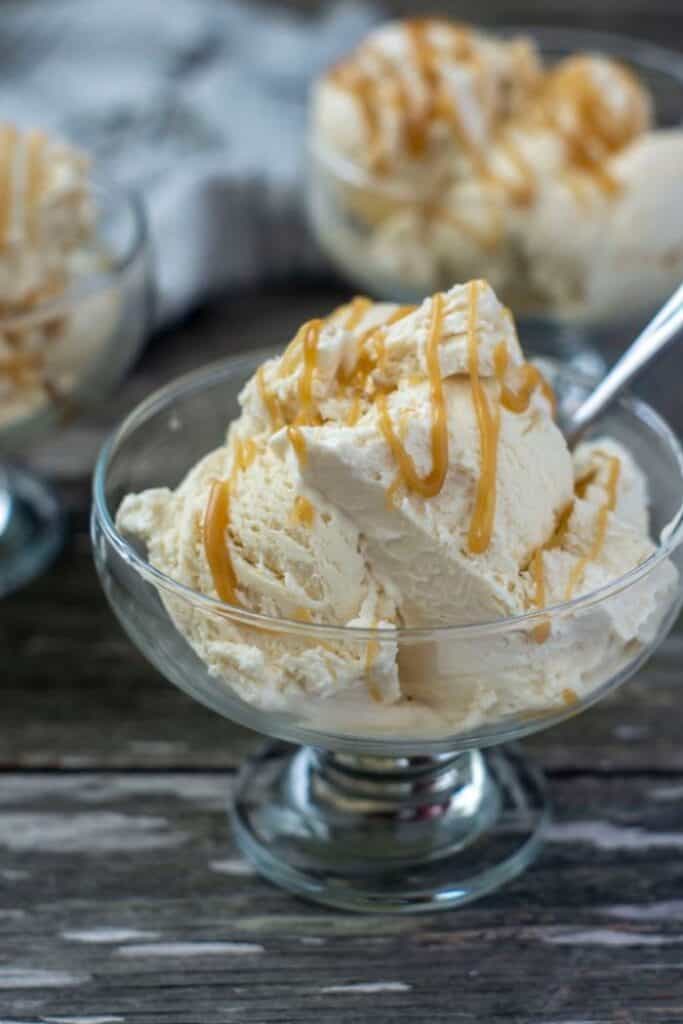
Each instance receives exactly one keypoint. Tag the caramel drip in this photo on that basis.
(298, 443)
(431, 484)
(8, 142)
(380, 351)
(481, 525)
(311, 333)
(303, 512)
(291, 357)
(612, 481)
(542, 631)
(270, 402)
(417, 127)
(216, 523)
(366, 363)
(596, 134)
(35, 180)
(354, 413)
(436, 103)
(501, 357)
(363, 87)
(583, 483)
(569, 696)
(517, 400)
(303, 614)
(357, 308)
(579, 569)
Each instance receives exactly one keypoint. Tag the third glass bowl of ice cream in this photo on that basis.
(394, 559)
(546, 160)
(75, 285)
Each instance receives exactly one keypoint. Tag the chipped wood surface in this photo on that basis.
(122, 897)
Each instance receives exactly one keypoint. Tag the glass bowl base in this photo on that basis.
(389, 835)
(32, 527)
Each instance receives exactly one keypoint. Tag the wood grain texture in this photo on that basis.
(122, 897)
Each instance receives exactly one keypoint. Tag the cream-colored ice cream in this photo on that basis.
(441, 153)
(400, 467)
(46, 243)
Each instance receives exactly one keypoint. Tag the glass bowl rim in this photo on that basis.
(639, 52)
(195, 381)
(92, 282)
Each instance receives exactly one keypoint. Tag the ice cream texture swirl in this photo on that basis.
(400, 467)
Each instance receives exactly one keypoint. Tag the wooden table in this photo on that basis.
(122, 897)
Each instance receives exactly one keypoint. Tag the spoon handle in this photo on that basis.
(661, 330)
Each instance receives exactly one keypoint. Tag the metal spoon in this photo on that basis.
(662, 329)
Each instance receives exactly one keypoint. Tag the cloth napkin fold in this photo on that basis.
(200, 104)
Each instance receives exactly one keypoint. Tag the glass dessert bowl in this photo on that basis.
(61, 353)
(573, 217)
(404, 807)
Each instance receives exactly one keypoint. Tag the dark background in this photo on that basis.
(118, 781)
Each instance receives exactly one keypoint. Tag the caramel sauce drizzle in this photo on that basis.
(355, 412)
(363, 87)
(488, 420)
(303, 511)
(418, 34)
(431, 484)
(594, 137)
(541, 632)
(307, 414)
(371, 356)
(298, 443)
(367, 362)
(269, 401)
(217, 523)
(579, 569)
(517, 400)
(589, 142)
(357, 309)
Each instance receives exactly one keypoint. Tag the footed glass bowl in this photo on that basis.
(384, 809)
(90, 335)
(346, 203)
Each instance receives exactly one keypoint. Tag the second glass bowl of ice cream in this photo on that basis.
(430, 163)
(75, 281)
(406, 809)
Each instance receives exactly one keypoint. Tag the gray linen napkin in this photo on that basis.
(199, 103)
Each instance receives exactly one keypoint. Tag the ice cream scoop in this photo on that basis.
(401, 467)
(47, 243)
(441, 153)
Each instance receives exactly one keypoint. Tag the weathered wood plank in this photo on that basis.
(123, 895)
